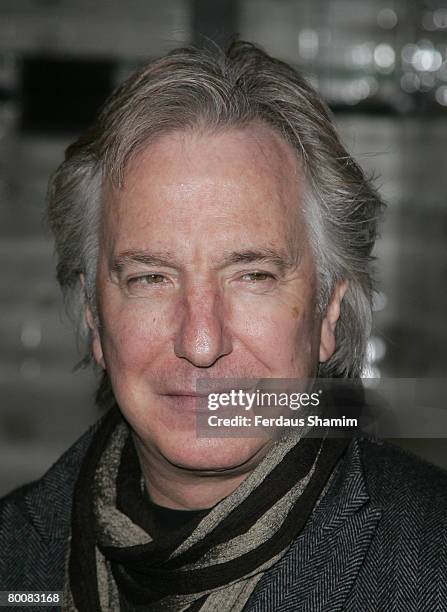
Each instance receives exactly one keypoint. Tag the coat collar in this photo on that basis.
(320, 568)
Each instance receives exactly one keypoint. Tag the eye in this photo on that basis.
(146, 279)
(256, 277)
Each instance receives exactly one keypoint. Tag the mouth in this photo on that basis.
(202, 394)
(185, 394)
(186, 402)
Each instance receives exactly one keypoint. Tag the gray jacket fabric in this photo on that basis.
(377, 541)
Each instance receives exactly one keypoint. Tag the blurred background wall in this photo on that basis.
(380, 64)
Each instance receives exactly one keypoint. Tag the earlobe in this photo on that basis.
(91, 324)
(329, 323)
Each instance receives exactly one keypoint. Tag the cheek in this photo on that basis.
(132, 337)
(283, 337)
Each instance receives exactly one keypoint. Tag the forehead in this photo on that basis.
(238, 184)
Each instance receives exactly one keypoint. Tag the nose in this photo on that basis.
(203, 336)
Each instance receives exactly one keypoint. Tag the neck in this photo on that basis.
(182, 493)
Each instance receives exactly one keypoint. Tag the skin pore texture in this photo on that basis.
(204, 271)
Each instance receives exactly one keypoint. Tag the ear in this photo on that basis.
(91, 324)
(328, 325)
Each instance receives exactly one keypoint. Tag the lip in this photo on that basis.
(215, 389)
(191, 402)
(185, 394)
(186, 402)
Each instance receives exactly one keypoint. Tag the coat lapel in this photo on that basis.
(319, 570)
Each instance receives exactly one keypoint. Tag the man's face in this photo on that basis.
(205, 271)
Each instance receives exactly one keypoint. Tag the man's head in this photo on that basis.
(214, 226)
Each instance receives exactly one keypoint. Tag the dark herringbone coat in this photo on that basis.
(377, 542)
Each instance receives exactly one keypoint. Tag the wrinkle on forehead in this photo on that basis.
(274, 149)
(272, 156)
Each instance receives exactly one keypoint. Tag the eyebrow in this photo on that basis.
(162, 258)
(280, 259)
(277, 258)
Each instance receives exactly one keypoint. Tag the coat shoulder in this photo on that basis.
(406, 564)
(54, 488)
(393, 475)
(35, 524)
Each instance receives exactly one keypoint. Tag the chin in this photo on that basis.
(214, 454)
(171, 434)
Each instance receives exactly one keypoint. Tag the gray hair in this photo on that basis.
(192, 88)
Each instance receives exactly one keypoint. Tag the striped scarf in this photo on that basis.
(117, 561)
